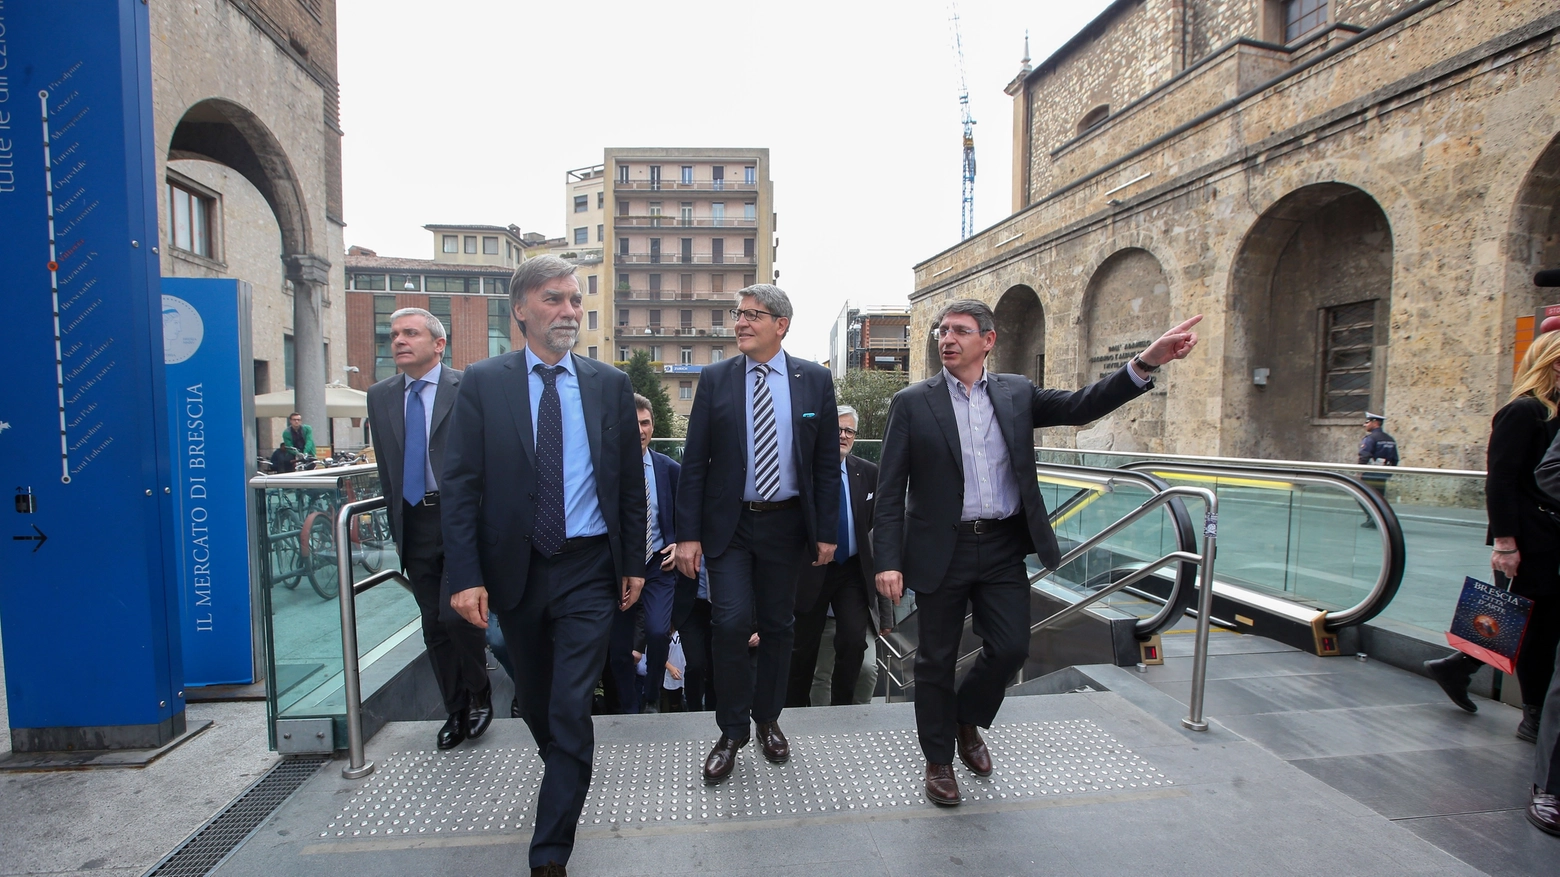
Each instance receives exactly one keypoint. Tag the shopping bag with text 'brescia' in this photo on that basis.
(1489, 624)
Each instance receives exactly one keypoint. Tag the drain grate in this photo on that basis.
(212, 843)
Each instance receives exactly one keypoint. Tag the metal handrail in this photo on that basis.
(1194, 720)
(1195, 459)
(1387, 525)
(357, 767)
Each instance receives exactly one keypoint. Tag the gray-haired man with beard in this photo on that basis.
(544, 517)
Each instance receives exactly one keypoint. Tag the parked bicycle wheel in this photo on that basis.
(321, 560)
(286, 543)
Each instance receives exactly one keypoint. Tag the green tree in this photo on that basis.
(647, 383)
(869, 392)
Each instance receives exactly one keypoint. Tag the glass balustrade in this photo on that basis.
(299, 575)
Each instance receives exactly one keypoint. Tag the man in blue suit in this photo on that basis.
(760, 497)
(655, 601)
(544, 516)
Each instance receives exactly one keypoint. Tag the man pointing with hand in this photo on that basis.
(958, 509)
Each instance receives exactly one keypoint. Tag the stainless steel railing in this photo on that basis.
(357, 766)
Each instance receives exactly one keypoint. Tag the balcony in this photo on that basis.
(679, 186)
(627, 332)
(667, 295)
(670, 221)
(889, 344)
(679, 259)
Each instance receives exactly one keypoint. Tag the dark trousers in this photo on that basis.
(456, 649)
(844, 590)
(655, 604)
(557, 637)
(987, 575)
(753, 584)
(698, 651)
(1536, 660)
(1546, 760)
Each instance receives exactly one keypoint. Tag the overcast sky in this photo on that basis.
(470, 111)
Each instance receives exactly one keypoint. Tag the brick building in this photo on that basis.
(1355, 195)
(870, 338)
(248, 147)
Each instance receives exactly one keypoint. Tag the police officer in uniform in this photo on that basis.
(1378, 448)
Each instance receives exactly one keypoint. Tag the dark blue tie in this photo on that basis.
(414, 481)
(842, 550)
(551, 525)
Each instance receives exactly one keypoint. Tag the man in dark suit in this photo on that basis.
(958, 508)
(846, 585)
(655, 601)
(759, 498)
(408, 414)
(1543, 809)
(544, 517)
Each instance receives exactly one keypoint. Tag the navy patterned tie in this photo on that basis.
(551, 525)
(414, 478)
(766, 442)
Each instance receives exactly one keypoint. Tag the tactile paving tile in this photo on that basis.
(642, 784)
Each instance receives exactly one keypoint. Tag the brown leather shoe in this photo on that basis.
(1544, 812)
(722, 758)
(973, 751)
(941, 786)
(776, 749)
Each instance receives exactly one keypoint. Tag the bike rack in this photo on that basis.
(1194, 720)
(357, 767)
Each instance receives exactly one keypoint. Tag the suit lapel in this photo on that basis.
(443, 398)
(517, 392)
(395, 400)
(591, 401)
(1001, 398)
(736, 401)
(793, 373)
(942, 411)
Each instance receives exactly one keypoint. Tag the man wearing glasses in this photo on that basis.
(958, 508)
(758, 500)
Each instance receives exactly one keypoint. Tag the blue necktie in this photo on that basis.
(414, 481)
(551, 524)
(842, 551)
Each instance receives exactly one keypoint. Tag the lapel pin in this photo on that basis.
(809, 414)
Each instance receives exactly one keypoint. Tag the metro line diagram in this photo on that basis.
(54, 287)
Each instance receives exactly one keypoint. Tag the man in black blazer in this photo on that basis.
(958, 508)
(544, 518)
(1543, 809)
(655, 600)
(759, 498)
(846, 585)
(408, 414)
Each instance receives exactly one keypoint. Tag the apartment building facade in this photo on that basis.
(684, 230)
(870, 338)
(584, 223)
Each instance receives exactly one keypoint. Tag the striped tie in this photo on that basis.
(766, 444)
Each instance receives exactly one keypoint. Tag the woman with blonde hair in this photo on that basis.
(1524, 530)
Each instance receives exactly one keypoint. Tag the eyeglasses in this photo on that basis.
(845, 430)
(961, 331)
(749, 314)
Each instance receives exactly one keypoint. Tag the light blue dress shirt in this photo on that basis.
(654, 505)
(428, 393)
(780, 393)
(848, 550)
(581, 509)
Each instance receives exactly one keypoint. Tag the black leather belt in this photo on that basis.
(982, 526)
(791, 503)
(580, 543)
(429, 499)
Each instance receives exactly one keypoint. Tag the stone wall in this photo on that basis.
(1445, 123)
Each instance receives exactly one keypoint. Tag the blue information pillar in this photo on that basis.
(87, 602)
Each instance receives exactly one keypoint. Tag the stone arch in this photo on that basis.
(1020, 347)
(1126, 305)
(1318, 261)
(1533, 245)
(224, 132)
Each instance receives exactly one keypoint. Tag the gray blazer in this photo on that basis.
(387, 422)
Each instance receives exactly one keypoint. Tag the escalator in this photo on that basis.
(1302, 556)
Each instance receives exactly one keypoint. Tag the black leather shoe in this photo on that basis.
(776, 749)
(454, 731)
(1528, 729)
(722, 758)
(973, 751)
(479, 715)
(1544, 812)
(551, 869)
(514, 708)
(1453, 673)
(941, 786)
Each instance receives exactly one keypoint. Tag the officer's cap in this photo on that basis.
(1380, 417)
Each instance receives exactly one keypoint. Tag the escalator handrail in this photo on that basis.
(1184, 586)
(1387, 525)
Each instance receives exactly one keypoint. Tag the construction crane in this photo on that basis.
(967, 214)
